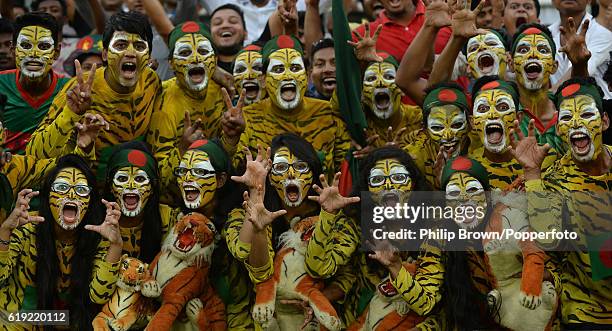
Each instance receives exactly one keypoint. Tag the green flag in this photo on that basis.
(348, 76)
(600, 252)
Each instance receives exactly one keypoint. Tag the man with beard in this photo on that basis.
(123, 92)
(323, 70)
(228, 30)
(7, 58)
(31, 88)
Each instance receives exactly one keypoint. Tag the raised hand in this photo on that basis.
(192, 131)
(224, 79)
(329, 196)
(437, 14)
(232, 121)
(575, 46)
(464, 19)
(387, 255)
(526, 149)
(393, 138)
(362, 152)
(441, 159)
(365, 47)
(20, 216)
(256, 170)
(78, 97)
(256, 212)
(88, 131)
(109, 229)
(287, 10)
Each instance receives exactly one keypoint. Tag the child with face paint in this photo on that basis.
(493, 116)
(31, 88)
(572, 195)
(248, 74)
(48, 265)
(287, 110)
(123, 92)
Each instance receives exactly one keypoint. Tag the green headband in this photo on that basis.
(534, 30)
(468, 166)
(280, 42)
(132, 158)
(500, 84)
(577, 87)
(445, 95)
(218, 157)
(189, 27)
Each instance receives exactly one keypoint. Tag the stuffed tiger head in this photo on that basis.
(299, 234)
(191, 237)
(132, 273)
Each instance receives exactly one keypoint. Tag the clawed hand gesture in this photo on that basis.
(464, 19)
(393, 138)
(438, 14)
(79, 96)
(256, 212)
(20, 216)
(386, 254)
(192, 131)
(362, 152)
(575, 46)
(287, 10)
(89, 129)
(256, 170)
(526, 149)
(109, 229)
(329, 196)
(365, 47)
(232, 121)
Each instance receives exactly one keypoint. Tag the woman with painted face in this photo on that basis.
(48, 265)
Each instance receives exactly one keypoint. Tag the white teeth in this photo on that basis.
(226, 34)
(249, 85)
(579, 136)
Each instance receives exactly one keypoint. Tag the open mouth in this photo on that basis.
(34, 65)
(192, 193)
(581, 143)
(226, 35)
(130, 201)
(494, 133)
(288, 91)
(450, 148)
(292, 193)
(307, 234)
(185, 240)
(251, 90)
(378, 6)
(329, 83)
(128, 70)
(382, 100)
(395, 3)
(486, 63)
(520, 21)
(70, 212)
(390, 199)
(533, 70)
(197, 75)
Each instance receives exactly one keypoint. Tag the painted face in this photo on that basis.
(447, 126)
(379, 91)
(193, 61)
(248, 76)
(286, 79)
(291, 177)
(128, 55)
(197, 179)
(486, 55)
(35, 52)
(465, 191)
(580, 127)
(131, 188)
(389, 182)
(494, 113)
(533, 62)
(69, 198)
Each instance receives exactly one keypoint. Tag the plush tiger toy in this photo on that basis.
(525, 303)
(176, 279)
(290, 281)
(126, 307)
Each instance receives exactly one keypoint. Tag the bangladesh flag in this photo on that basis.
(600, 252)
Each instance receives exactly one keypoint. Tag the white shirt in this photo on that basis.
(599, 42)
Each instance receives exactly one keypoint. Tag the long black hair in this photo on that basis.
(47, 266)
(304, 151)
(151, 237)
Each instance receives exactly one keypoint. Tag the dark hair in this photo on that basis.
(482, 81)
(131, 22)
(151, 237)
(36, 3)
(37, 19)
(82, 311)
(304, 151)
(6, 26)
(231, 7)
(319, 45)
(607, 77)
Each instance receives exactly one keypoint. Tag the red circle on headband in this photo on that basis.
(461, 163)
(137, 158)
(447, 96)
(570, 89)
(605, 253)
(532, 30)
(199, 143)
(285, 41)
(491, 85)
(252, 48)
(190, 27)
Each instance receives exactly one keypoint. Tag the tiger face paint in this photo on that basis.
(534, 62)
(486, 55)
(35, 52)
(493, 116)
(127, 56)
(69, 198)
(248, 76)
(463, 191)
(197, 179)
(379, 91)
(286, 79)
(131, 188)
(580, 126)
(389, 182)
(447, 126)
(291, 177)
(193, 61)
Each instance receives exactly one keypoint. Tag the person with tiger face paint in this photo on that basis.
(32, 86)
(248, 74)
(48, 265)
(573, 195)
(486, 55)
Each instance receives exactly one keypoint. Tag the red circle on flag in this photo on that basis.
(570, 89)
(461, 163)
(532, 30)
(447, 96)
(190, 27)
(285, 41)
(198, 143)
(491, 85)
(137, 158)
(605, 253)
